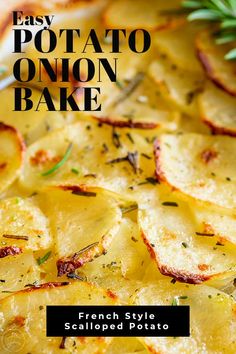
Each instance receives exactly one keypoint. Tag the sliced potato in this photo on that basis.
(188, 242)
(31, 124)
(137, 104)
(178, 45)
(116, 159)
(20, 272)
(177, 85)
(88, 217)
(127, 256)
(200, 166)
(212, 318)
(126, 345)
(23, 318)
(218, 111)
(151, 15)
(11, 155)
(212, 57)
(22, 226)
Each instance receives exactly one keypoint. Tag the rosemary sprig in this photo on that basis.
(222, 12)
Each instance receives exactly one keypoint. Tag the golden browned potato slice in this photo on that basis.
(212, 318)
(17, 273)
(23, 319)
(177, 85)
(22, 227)
(32, 125)
(11, 155)
(188, 241)
(218, 111)
(83, 223)
(116, 159)
(151, 15)
(123, 267)
(179, 45)
(200, 166)
(126, 257)
(212, 57)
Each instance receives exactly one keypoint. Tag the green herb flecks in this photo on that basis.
(75, 171)
(43, 259)
(175, 301)
(60, 163)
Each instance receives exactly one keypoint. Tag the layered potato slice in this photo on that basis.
(23, 318)
(11, 155)
(123, 267)
(218, 110)
(31, 124)
(116, 159)
(151, 15)
(20, 272)
(212, 318)
(212, 57)
(23, 227)
(83, 222)
(189, 242)
(179, 45)
(177, 85)
(137, 103)
(200, 166)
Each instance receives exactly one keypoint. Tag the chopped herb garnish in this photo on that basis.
(176, 299)
(132, 158)
(134, 239)
(119, 84)
(116, 138)
(74, 276)
(2, 281)
(218, 243)
(7, 291)
(172, 204)
(146, 156)
(204, 234)
(84, 193)
(228, 179)
(130, 88)
(150, 180)
(60, 163)
(184, 244)
(129, 136)
(104, 148)
(210, 296)
(16, 237)
(91, 175)
(129, 208)
(75, 171)
(85, 249)
(173, 281)
(43, 259)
